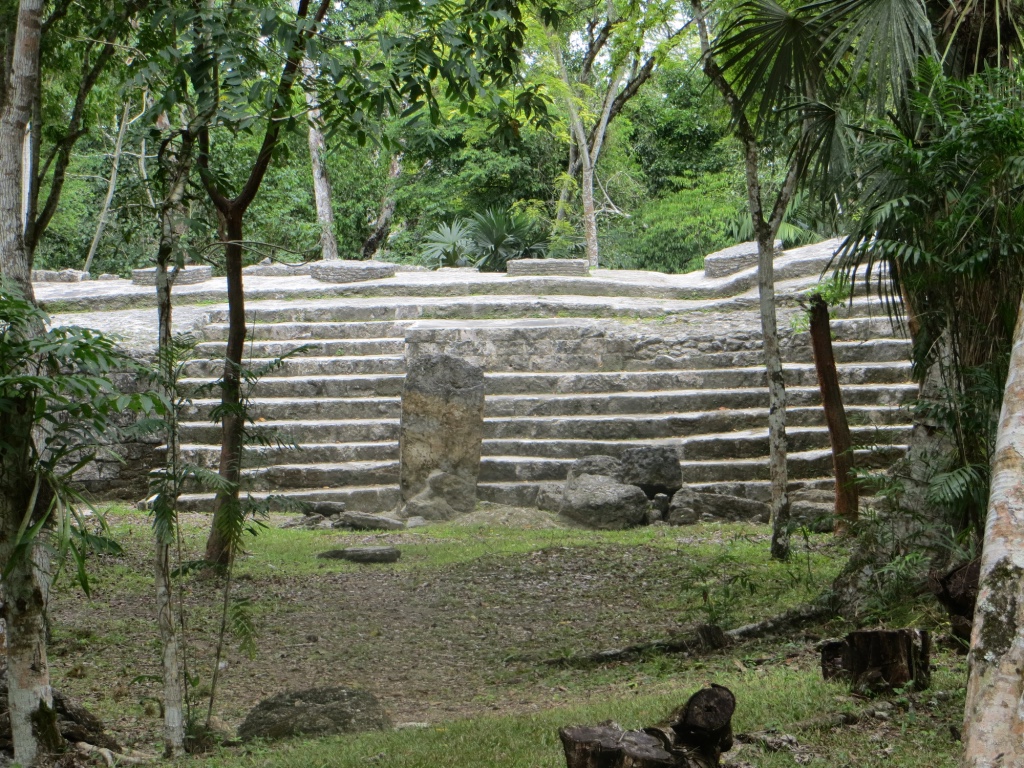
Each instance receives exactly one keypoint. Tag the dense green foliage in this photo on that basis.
(941, 209)
(670, 171)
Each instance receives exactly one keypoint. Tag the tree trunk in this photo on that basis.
(33, 723)
(177, 165)
(994, 718)
(111, 187)
(15, 114)
(589, 215)
(321, 181)
(382, 225)
(765, 231)
(174, 722)
(776, 391)
(835, 415)
(218, 548)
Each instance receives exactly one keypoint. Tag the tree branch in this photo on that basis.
(281, 105)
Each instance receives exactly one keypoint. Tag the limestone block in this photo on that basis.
(441, 436)
(688, 507)
(597, 464)
(58, 276)
(604, 503)
(194, 273)
(655, 468)
(350, 271)
(734, 259)
(555, 267)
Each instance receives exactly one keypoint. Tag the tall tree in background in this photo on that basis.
(623, 44)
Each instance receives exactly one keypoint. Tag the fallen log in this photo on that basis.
(695, 736)
(704, 638)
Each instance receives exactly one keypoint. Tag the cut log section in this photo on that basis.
(695, 736)
(880, 660)
(609, 746)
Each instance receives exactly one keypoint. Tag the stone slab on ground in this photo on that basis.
(733, 259)
(350, 270)
(363, 554)
(314, 712)
(190, 275)
(364, 521)
(553, 267)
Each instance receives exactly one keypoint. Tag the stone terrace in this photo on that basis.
(575, 366)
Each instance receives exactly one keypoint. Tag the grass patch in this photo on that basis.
(455, 634)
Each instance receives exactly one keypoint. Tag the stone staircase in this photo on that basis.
(565, 377)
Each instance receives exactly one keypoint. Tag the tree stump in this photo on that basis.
(695, 736)
(609, 746)
(880, 660)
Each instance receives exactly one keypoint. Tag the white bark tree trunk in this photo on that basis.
(174, 721)
(993, 732)
(765, 229)
(321, 180)
(33, 722)
(177, 165)
(111, 188)
(15, 115)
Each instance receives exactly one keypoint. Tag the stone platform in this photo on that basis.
(573, 366)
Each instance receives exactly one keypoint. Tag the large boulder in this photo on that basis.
(654, 468)
(316, 712)
(603, 502)
(441, 437)
(688, 507)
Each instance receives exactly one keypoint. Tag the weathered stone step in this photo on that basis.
(667, 425)
(806, 465)
(343, 475)
(373, 499)
(305, 408)
(340, 431)
(846, 352)
(685, 400)
(749, 444)
(507, 406)
(307, 366)
(208, 454)
(602, 427)
(645, 381)
(405, 308)
(591, 354)
(296, 347)
(381, 385)
(305, 331)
